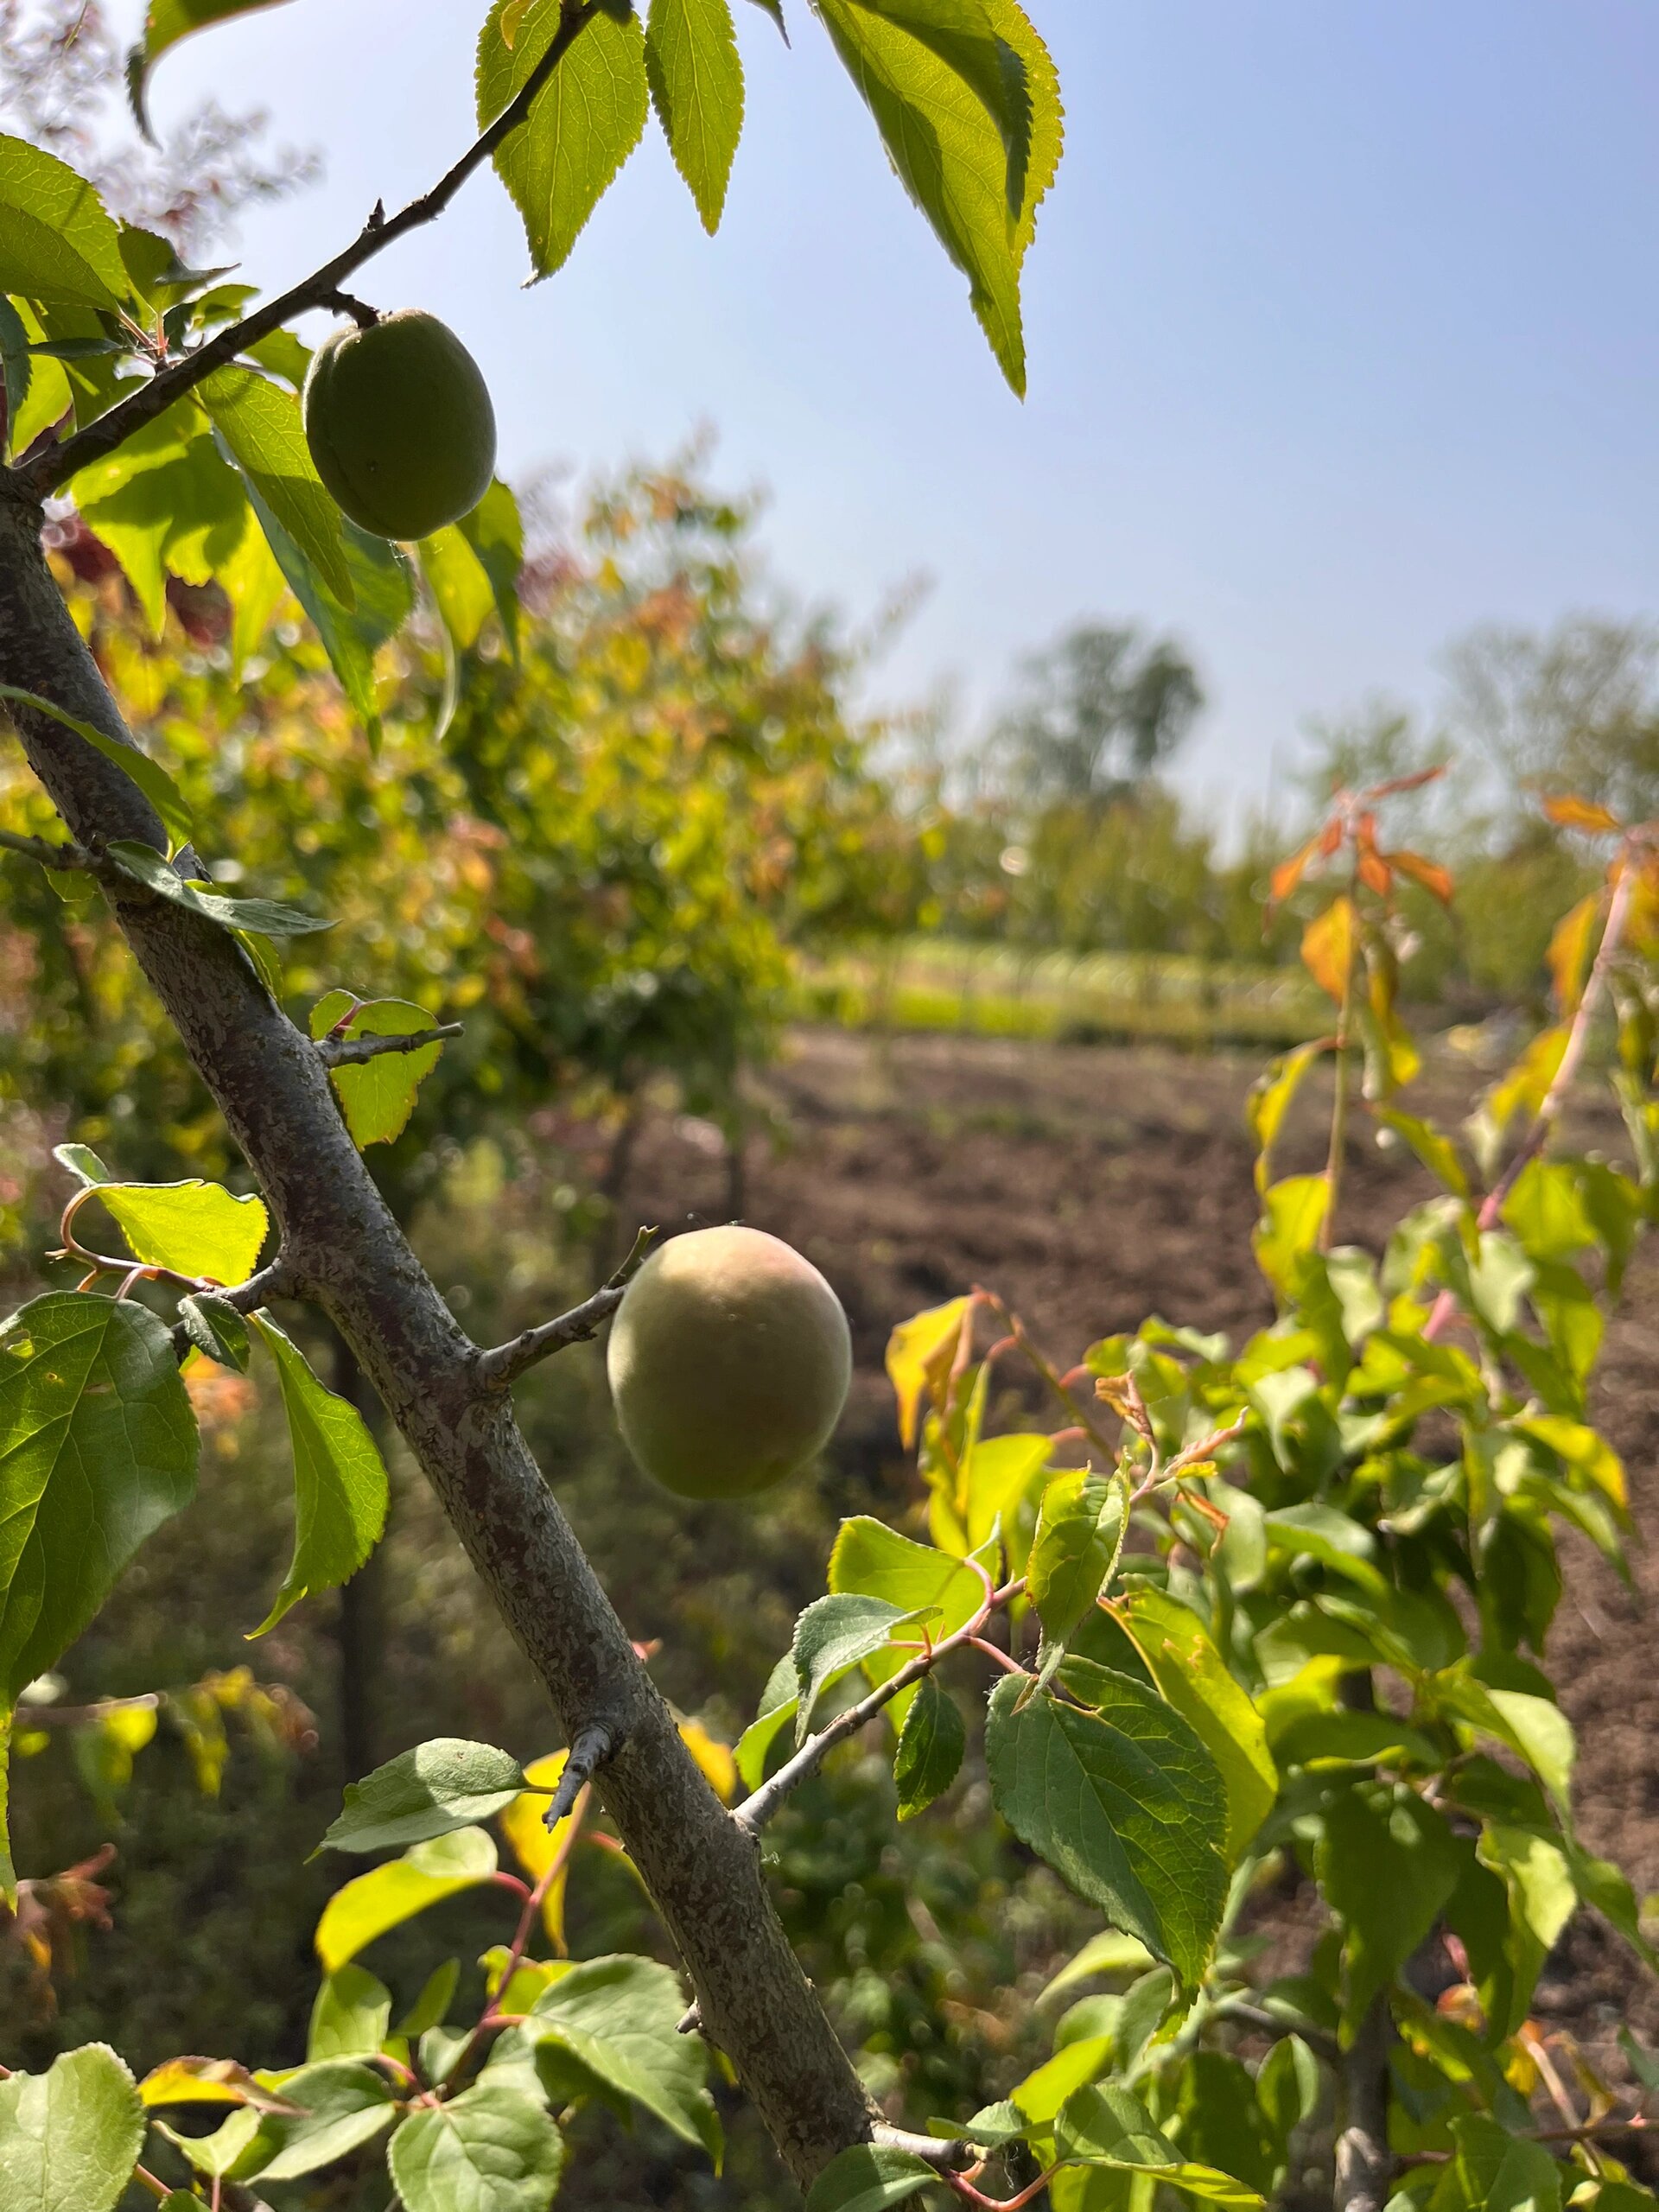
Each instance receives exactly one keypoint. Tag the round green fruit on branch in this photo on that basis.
(729, 1360)
(398, 419)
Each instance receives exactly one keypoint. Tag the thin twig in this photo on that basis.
(43, 850)
(1555, 1099)
(53, 468)
(352, 1051)
(946, 2152)
(497, 1368)
(753, 1813)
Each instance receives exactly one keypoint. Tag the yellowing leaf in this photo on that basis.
(919, 1352)
(535, 1845)
(205, 2082)
(1290, 871)
(714, 1758)
(1429, 873)
(1527, 1084)
(1294, 1213)
(1572, 948)
(1328, 945)
(194, 1228)
(388, 1895)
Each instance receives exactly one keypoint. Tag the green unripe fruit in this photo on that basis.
(729, 1360)
(399, 422)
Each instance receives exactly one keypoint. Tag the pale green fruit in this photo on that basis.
(729, 1361)
(399, 422)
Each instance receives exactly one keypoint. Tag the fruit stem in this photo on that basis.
(361, 313)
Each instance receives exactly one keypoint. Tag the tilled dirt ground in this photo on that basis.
(1091, 1187)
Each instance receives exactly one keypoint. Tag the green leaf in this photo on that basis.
(931, 1745)
(1192, 1675)
(217, 2153)
(1438, 1154)
(1123, 1802)
(582, 124)
(58, 243)
(831, 1635)
(877, 1561)
(696, 87)
(1104, 2125)
(1387, 1863)
(1333, 1538)
(387, 1896)
(350, 2017)
(216, 1329)
(98, 1447)
(81, 1162)
(1080, 1529)
(260, 423)
(947, 148)
(779, 1704)
(377, 1097)
(1271, 1097)
(191, 1228)
(167, 500)
(496, 534)
(339, 1479)
(1292, 1214)
(459, 582)
(1344, 1739)
(1533, 1726)
(264, 917)
(431, 2007)
(620, 2017)
(153, 780)
(1496, 2172)
(16, 369)
(438, 1787)
(492, 2149)
(70, 2137)
(344, 2105)
(868, 2178)
(165, 24)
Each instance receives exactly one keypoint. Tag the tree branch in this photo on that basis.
(497, 1368)
(352, 1051)
(342, 1249)
(42, 850)
(53, 468)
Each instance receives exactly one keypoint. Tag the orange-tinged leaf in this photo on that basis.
(1328, 945)
(1429, 873)
(535, 1845)
(1413, 782)
(1289, 873)
(919, 1353)
(1330, 838)
(1568, 811)
(1375, 872)
(1571, 948)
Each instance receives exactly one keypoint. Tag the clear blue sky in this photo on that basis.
(1343, 323)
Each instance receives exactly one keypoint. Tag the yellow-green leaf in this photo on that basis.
(192, 1228)
(387, 1896)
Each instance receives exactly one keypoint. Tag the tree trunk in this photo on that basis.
(348, 1255)
(1363, 2162)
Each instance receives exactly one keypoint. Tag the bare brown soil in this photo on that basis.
(1091, 1187)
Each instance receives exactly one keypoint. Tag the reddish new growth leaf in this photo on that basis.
(1429, 873)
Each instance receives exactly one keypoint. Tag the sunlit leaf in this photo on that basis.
(1329, 944)
(70, 2137)
(919, 1351)
(1568, 811)
(58, 243)
(191, 1228)
(260, 423)
(387, 1896)
(339, 1479)
(165, 24)
(696, 87)
(492, 2149)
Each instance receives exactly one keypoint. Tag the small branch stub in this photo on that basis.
(594, 1745)
(497, 1368)
(352, 1051)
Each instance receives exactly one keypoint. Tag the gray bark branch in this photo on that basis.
(342, 1249)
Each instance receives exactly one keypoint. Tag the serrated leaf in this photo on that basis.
(1387, 1863)
(339, 1479)
(697, 86)
(1123, 1802)
(98, 1447)
(831, 1635)
(620, 2017)
(191, 1228)
(70, 2137)
(59, 245)
(264, 917)
(377, 1097)
(446, 1784)
(1105, 2125)
(950, 155)
(216, 1329)
(166, 22)
(582, 124)
(152, 779)
(260, 424)
(869, 2178)
(387, 1896)
(1080, 1529)
(166, 501)
(931, 1745)
(1192, 1676)
(492, 2149)
(872, 1559)
(350, 2016)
